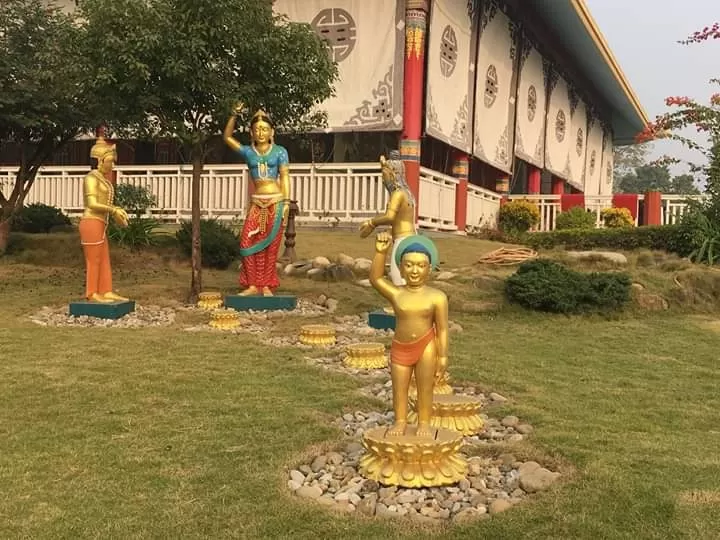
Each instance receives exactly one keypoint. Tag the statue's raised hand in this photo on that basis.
(238, 108)
(383, 242)
(366, 228)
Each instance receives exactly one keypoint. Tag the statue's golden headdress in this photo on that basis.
(101, 148)
(261, 115)
(388, 171)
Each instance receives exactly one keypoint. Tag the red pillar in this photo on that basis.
(460, 169)
(558, 186)
(534, 176)
(653, 205)
(413, 87)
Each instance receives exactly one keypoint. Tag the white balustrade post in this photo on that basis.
(349, 206)
(179, 195)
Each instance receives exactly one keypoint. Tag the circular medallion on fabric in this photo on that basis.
(593, 159)
(448, 51)
(337, 28)
(532, 103)
(491, 86)
(580, 142)
(560, 126)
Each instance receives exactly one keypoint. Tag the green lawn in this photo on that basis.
(161, 433)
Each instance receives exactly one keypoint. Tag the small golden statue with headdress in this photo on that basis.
(399, 212)
(98, 195)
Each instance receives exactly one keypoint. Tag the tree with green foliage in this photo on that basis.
(645, 178)
(701, 223)
(186, 63)
(684, 184)
(687, 112)
(655, 177)
(44, 97)
(629, 157)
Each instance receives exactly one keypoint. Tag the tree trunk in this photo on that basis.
(196, 280)
(4, 234)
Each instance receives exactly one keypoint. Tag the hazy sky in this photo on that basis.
(643, 35)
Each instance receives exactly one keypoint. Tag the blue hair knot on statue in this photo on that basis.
(417, 244)
(416, 247)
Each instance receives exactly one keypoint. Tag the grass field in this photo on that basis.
(160, 433)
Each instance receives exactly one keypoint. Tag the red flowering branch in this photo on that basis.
(685, 112)
(709, 32)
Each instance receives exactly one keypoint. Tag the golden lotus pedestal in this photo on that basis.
(451, 411)
(411, 461)
(210, 300)
(225, 319)
(365, 356)
(441, 386)
(317, 334)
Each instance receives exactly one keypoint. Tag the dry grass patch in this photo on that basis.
(700, 497)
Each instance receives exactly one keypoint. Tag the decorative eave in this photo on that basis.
(574, 28)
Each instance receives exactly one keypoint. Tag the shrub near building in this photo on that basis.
(575, 218)
(517, 217)
(617, 218)
(670, 238)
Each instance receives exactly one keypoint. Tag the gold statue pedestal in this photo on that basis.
(225, 319)
(319, 335)
(210, 300)
(365, 356)
(411, 461)
(441, 387)
(452, 411)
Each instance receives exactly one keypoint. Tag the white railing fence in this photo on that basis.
(331, 193)
(325, 192)
(672, 207)
(482, 207)
(436, 207)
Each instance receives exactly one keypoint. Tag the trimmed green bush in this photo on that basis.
(39, 218)
(671, 238)
(219, 246)
(575, 218)
(545, 285)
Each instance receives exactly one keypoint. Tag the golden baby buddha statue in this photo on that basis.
(421, 455)
(98, 195)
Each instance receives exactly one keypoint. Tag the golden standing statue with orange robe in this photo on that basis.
(98, 195)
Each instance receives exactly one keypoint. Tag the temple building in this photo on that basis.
(525, 94)
(509, 97)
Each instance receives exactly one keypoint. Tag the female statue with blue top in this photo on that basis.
(262, 233)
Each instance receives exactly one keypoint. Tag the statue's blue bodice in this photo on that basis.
(264, 166)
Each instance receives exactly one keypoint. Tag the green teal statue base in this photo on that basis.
(100, 310)
(380, 320)
(260, 303)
